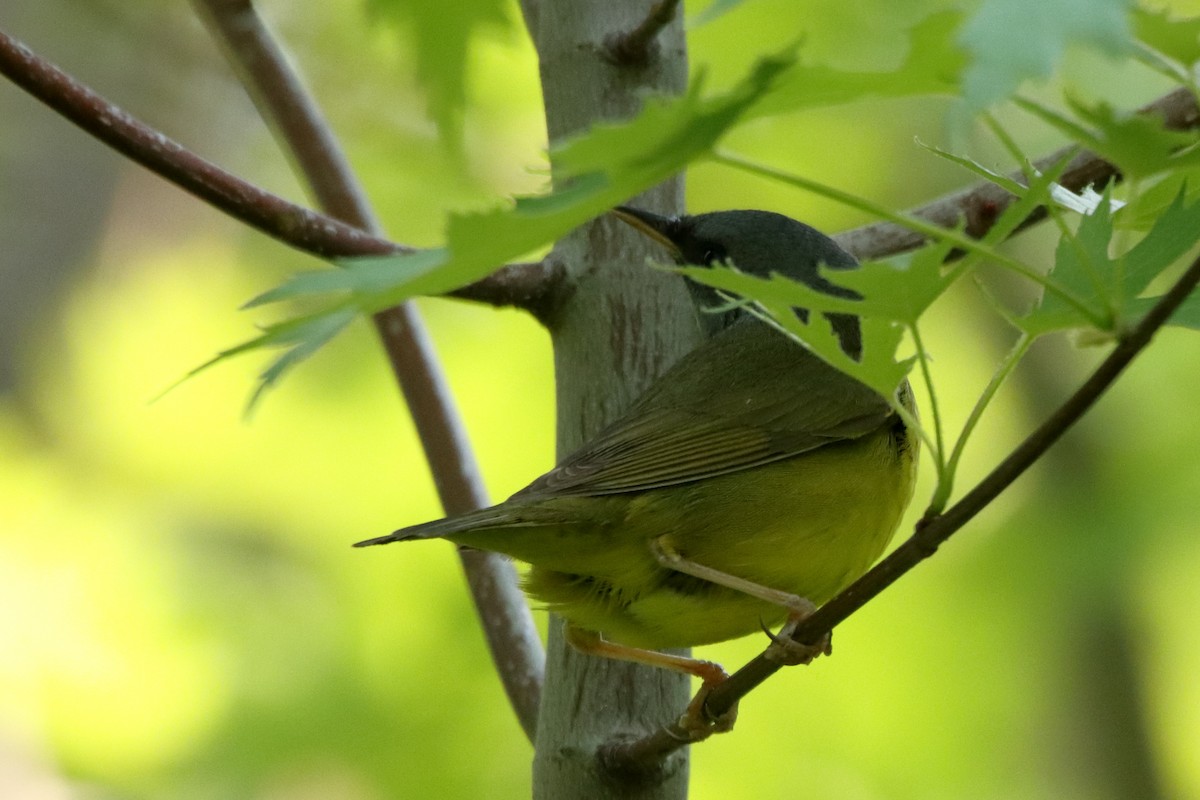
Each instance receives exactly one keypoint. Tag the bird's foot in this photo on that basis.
(696, 723)
(788, 652)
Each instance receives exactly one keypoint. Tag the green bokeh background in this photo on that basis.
(181, 615)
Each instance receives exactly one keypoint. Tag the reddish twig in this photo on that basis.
(299, 227)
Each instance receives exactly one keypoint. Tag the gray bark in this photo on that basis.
(622, 326)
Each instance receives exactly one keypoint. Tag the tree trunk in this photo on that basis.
(622, 326)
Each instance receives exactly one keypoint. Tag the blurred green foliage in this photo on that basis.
(181, 615)
(441, 36)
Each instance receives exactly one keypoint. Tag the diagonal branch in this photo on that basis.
(294, 225)
(981, 204)
(929, 534)
(285, 103)
(533, 287)
(524, 285)
(289, 109)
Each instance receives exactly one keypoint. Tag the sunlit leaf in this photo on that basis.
(974, 166)
(1030, 197)
(668, 134)
(1148, 205)
(442, 34)
(1081, 265)
(901, 288)
(307, 339)
(606, 166)
(1086, 201)
(1110, 286)
(1175, 232)
(298, 338)
(933, 65)
(1178, 39)
(1137, 143)
(877, 368)
(893, 294)
(421, 272)
(1186, 316)
(1011, 41)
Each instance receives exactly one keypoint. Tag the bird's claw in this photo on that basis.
(788, 652)
(696, 723)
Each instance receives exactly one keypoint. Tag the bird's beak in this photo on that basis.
(654, 226)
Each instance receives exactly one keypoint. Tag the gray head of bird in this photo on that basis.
(755, 242)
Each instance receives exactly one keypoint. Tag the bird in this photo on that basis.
(747, 485)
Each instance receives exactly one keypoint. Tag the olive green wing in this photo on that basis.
(746, 397)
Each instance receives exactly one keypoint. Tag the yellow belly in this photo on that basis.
(809, 526)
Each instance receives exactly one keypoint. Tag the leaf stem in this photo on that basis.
(1055, 212)
(938, 452)
(1016, 353)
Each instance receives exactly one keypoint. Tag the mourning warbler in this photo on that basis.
(748, 482)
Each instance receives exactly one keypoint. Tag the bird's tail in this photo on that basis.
(496, 516)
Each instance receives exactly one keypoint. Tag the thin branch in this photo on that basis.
(928, 535)
(283, 101)
(287, 106)
(537, 288)
(294, 225)
(636, 48)
(980, 205)
(318, 234)
(515, 285)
